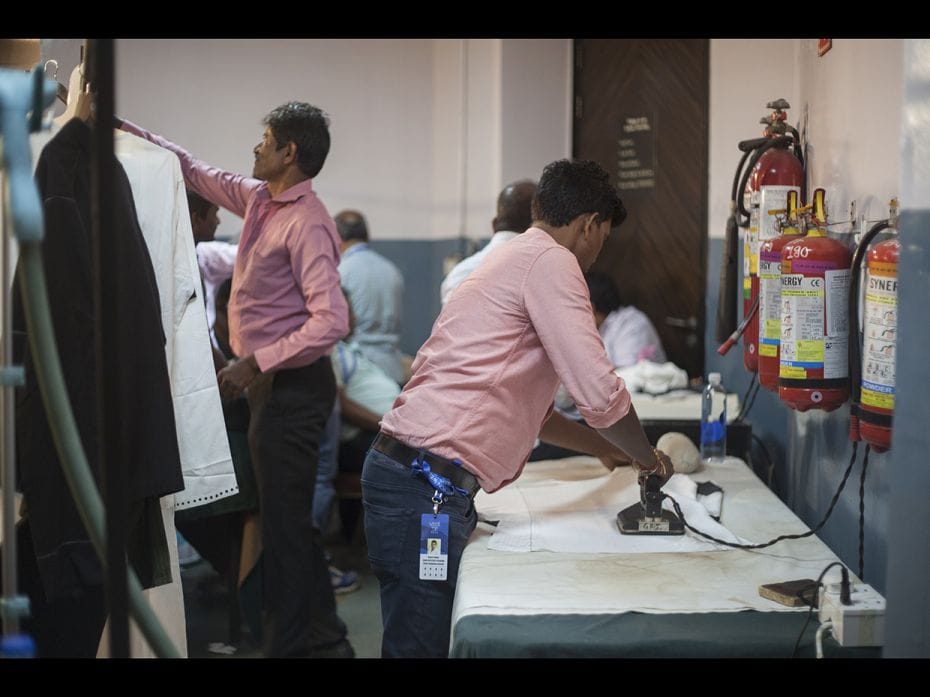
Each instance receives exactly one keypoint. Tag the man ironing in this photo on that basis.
(482, 391)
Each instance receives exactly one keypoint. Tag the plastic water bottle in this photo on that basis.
(713, 420)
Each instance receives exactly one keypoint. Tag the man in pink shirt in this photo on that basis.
(286, 312)
(482, 391)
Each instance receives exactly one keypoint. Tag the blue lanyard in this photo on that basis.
(437, 481)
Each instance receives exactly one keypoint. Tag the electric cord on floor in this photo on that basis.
(825, 627)
(836, 497)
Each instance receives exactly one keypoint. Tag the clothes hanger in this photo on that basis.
(79, 100)
(62, 93)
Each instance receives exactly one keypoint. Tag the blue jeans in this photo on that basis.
(416, 615)
(326, 471)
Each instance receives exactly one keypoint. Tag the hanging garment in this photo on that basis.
(147, 446)
(161, 204)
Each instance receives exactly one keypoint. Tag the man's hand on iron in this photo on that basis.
(662, 467)
(235, 377)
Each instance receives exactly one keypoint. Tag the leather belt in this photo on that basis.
(405, 455)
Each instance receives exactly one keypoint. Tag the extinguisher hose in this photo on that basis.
(854, 350)
(734, 192)
(798, 153)
(771, 143)
(734, 337)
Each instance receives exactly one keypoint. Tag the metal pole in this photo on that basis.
(106, 247)
(7, 430)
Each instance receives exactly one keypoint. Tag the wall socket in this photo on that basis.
(862, 623)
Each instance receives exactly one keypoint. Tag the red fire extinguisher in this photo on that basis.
(778, 170)
(813, 364)
(770, 294)
(872, 377)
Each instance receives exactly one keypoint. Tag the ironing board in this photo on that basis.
(547, 604)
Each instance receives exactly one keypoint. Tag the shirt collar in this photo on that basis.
(289, 195)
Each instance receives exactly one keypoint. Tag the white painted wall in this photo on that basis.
(850, 99)
(536, 96)
(854, 96)
(745, 74)
(210, 96)
(915, 126)
(425, 132)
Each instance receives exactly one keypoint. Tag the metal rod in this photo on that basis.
(7, 430)
(107, 247)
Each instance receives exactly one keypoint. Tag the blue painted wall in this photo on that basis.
(420, 261)
(907, 465)
(811, 453)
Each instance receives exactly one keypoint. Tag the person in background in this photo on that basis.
(628, 335)
(375, 288)
(513, 217)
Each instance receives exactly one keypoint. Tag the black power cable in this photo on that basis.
(799, 536)
(770, 470)
(865, 464)
(742, 405)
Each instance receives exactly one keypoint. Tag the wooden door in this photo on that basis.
(641, 112)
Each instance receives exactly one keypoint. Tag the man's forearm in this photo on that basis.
(357, 415)
(566, 433)
(628, 435)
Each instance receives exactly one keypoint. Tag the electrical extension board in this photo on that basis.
(861, 623)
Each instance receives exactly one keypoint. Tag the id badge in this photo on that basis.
(434, 547)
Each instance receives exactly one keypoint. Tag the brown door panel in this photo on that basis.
(623, 86)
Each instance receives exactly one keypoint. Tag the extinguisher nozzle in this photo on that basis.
(854, 428)
(726, 346)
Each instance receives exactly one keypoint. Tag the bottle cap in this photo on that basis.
(713, 378)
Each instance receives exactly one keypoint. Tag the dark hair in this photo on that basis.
(305, 125)
(605, 298)
(351, 226)
(198, 204)
(569, 188)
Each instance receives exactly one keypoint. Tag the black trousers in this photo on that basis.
(289, 409)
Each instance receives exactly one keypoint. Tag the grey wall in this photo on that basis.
(421, 263)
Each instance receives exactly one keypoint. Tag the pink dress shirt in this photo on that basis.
(286, 305)
(484, 381)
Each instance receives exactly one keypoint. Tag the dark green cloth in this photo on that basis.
(638, 635)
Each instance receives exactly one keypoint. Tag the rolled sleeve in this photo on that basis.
(556, 299)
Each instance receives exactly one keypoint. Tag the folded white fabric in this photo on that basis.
(654, 378)
(580, 517)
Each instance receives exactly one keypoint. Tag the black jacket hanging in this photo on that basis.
(148, 446)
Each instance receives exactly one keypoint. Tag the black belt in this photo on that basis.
(406, 455)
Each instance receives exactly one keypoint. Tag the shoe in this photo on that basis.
(341, 649)
(343, 581)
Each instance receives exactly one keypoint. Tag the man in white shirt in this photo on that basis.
(374, 287)
(513, 217)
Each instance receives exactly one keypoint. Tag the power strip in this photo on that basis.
(862, 622)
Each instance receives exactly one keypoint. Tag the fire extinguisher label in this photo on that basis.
(769, 303)
(836, 338)
(813, 325)
(880, 330)
(773, 198)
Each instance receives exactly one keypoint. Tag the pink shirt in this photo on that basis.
(484, 381)
(286, 305)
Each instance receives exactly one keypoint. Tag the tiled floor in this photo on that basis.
(206, 604)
